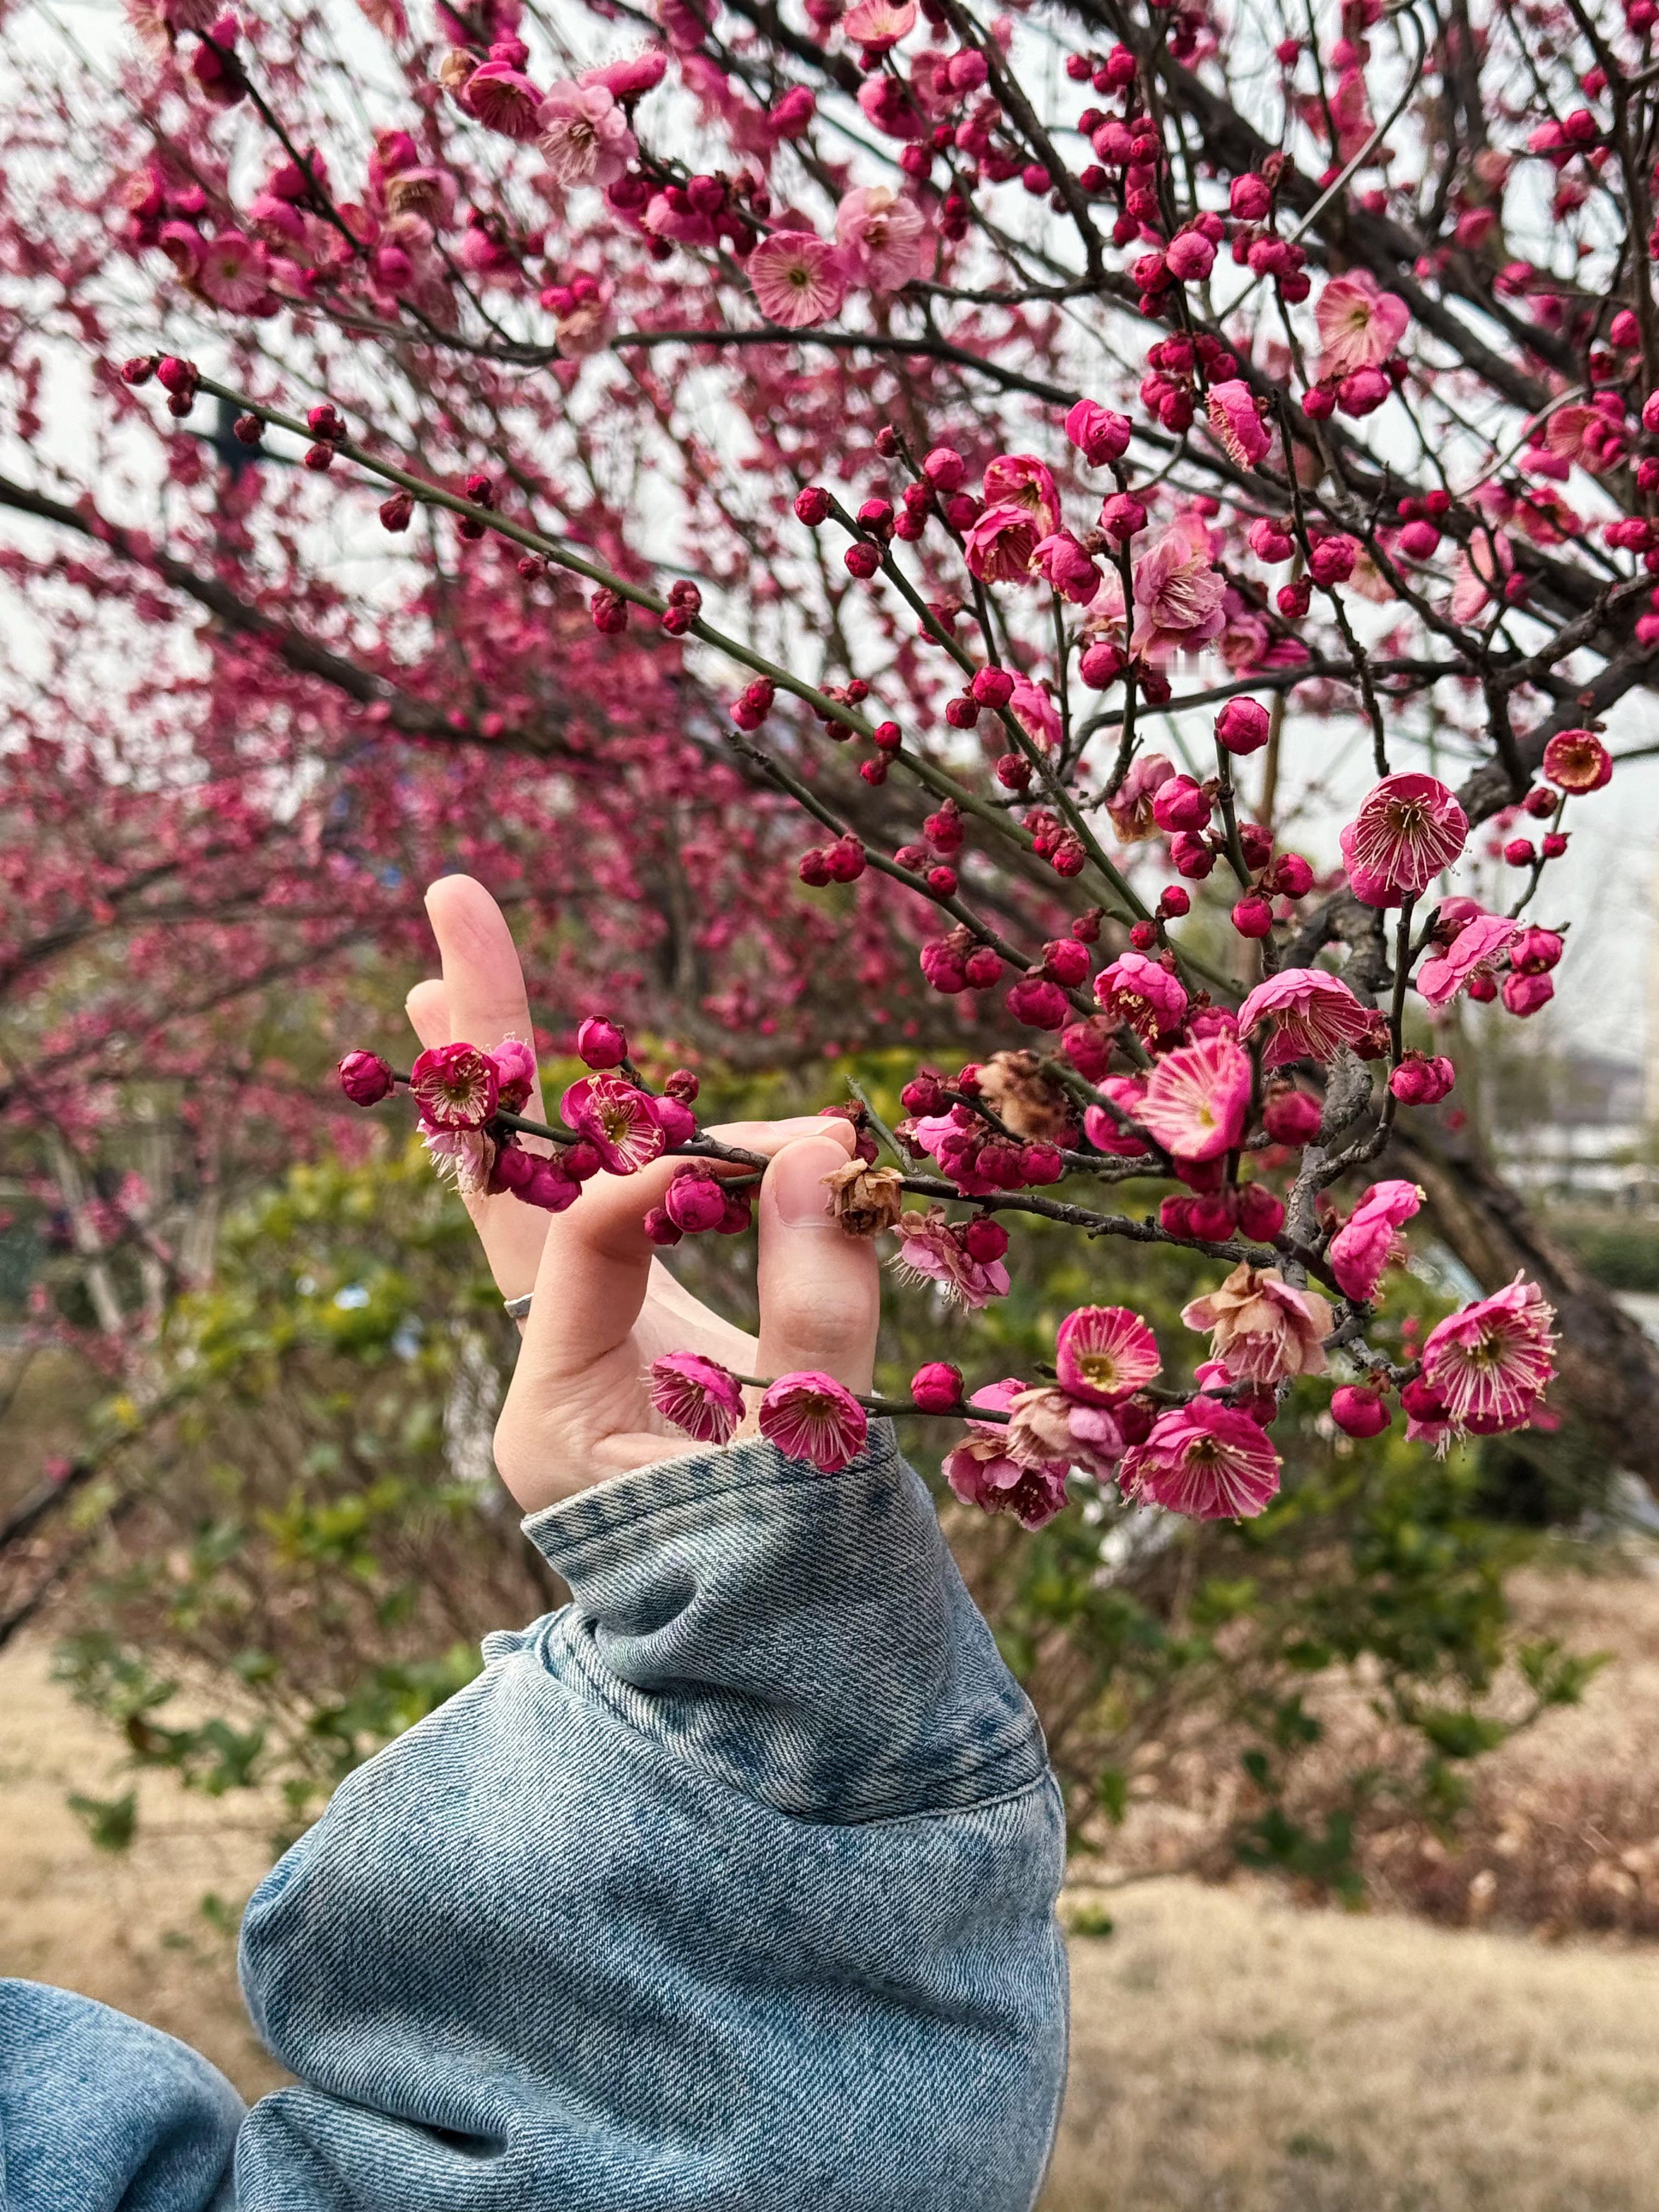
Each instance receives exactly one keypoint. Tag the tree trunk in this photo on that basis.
(1609, 1366)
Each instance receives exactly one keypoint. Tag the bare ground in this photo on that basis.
(1232, 2052)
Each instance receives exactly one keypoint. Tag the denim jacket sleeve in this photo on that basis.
(728, 1886)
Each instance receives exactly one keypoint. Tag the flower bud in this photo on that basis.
(1172, 902)
(1099, 434)
(1243, 725)
(1535, 951)
(1253, 916)
(395, 512)
(675, 1119)
(601, 1043)
(993, 687)
(812, 505)
(659, 1228)
(1525, 994)
(1359, 1412)
(1180, 803)
(983, 1239)
(1038, 1003)
(683, 1086)
(1067, 960)
(365, 1077)
(1291, 1117)
(694, 1200)
(937, 1388)
(1261, 1214)
(982, 968)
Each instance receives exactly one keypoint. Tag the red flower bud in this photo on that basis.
(365, 1077)
(1359, 1412)
(937, 1388)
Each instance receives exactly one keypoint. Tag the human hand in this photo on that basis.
(604, 1306)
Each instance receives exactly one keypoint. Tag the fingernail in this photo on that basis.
(796, 1181)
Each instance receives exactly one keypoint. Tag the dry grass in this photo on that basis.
(1232, 2053)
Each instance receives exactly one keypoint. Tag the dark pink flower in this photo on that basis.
(1048, 1428)
(1001, 545)
(455, 1086)
(1205, 1460)
(365, 1077)
(696, 1394)
(1098, 434)
(1062, 563)
(502, 98)
(1021, 480)
(1197, 1099)
(601, 1043)
(1578, 760)
(1491, 1364)
(1104, 1352)
(1526, 994)
(233, 271)
(812, 1417)
(618, 1120)
(1313, 1013)
(1143, 994)
(1409, 827)
(1369, 1240)
(1422, 1080)
(1131, 806)
(797, 278)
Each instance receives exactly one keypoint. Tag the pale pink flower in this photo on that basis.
(930, 1251)
(1313, 1013)
(1409, 827)
(880, 23)
(1240, 429)
(1263, 1329)
(233, 272)
(812, 1417)
(1178, 596)
(455, 1086)
(982, 1470)
(1492, 1363)
(1197, 1099)
(467, 1156)
(1021, 480)
(502, 98)
(1359, 323)
(1480, 570)
(1369, 1240)
(1036, 713)
(1476, 951)
(1001, 545)
(584, 137)
(1205, 1460)
(1131, 808)
(617, 1118)
(797, 278)
(1103, 1130)
(1143, 994)
(1104, 1352)
(1049, 1429)
(696, 1394)
(884, 238)
(515, 1073)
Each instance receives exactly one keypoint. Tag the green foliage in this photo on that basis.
(111, 1822)
(315, 1540)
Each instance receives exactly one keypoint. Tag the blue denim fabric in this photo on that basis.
(727, 1888)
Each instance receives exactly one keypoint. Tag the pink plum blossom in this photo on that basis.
(585, 137)
(1264, 1330)
(1021, 480)
(1197, 1099)
(930, 1251)
(1313, 1013)
(1104, 1352)
(1578, 760)
(1491, 1362)
(1408, 829)
(884, 238)
(797, 278)
(1049, 1428)
(1131, 805)
(455, 1086)
(810, 1416)
(467, 1156)
(502, 98)
(1369, 1240)
(696, 1394)
(880, 23)
(616, 1117)
(1062, 563)
(1476, 951)
(1001, 545)
(1359, 323)
(233, 271)
(1233, 417)
(1178, 595)
(982, 1470)
(1205, 1459)
(1143, 994)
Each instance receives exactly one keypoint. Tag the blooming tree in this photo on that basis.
(883, 496)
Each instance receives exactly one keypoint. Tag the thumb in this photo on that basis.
(820, 1297)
